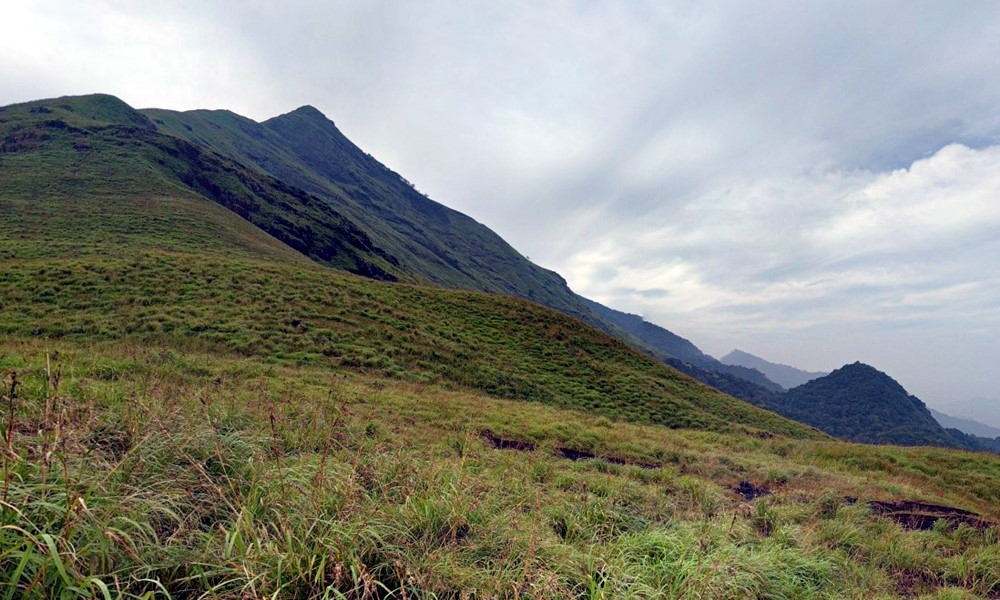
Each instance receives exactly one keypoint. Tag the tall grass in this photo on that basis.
(141, 472)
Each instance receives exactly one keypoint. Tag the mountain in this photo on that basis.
(860, 403)
(969, 426)
(985, 410)
(428, 240)
(113, 230)
(99, 143)
(969, 433)
(785, 376)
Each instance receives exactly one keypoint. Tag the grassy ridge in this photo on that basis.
(299, 313)
(149, 472)
(299, 179)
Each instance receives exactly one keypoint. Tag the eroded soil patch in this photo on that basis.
(922, 516)
(750, 491)
(573, 454)
(500, 443)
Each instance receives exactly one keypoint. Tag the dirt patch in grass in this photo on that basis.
(500, 443)
(750, 491)
(910, 584)
(573, 454)
(922, 516)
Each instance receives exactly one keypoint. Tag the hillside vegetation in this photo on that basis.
(151, 472)
(302, 313)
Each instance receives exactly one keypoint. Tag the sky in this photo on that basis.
(813, 182)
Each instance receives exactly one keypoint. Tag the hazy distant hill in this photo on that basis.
(969, 426)
(784, 375)
(985, 410)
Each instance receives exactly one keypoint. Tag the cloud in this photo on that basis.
(906, 254)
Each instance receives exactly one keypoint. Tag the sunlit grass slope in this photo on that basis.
(158, 270)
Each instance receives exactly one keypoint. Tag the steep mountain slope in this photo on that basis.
(298, 178)
(784, 375)
(92, 251)
(860, 403)
(431, 241)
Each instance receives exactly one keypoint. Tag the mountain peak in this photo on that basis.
(859, 368)
(784, 375)
(310, 112)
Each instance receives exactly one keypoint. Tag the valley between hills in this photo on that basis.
(247, 360)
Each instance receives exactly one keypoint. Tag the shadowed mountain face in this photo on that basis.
(784, 375)
(89, 143)
(430, 241)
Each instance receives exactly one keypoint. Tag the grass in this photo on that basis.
(150, 472)
(237, 293)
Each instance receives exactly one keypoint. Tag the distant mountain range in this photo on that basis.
(784, 375)
(985, 410)
(741, 382)
(969, 426)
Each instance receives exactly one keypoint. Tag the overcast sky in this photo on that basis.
(812, 182)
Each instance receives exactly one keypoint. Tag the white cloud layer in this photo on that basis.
(814, 182)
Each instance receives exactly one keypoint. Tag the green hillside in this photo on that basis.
(134, 262)
(431, 241)
(78, 146)
(300, 179)
(147, 471)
